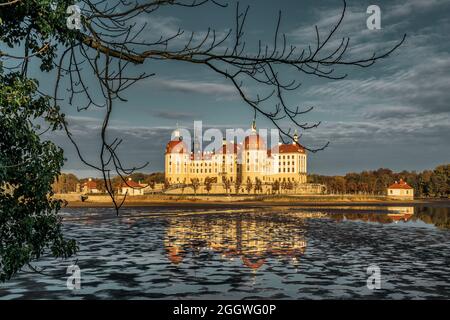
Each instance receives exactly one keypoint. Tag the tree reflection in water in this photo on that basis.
(255, 237)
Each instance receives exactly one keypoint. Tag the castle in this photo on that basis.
(247, 162)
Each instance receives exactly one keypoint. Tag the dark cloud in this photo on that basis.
(140, 145)
(174, 115)
(195, 87)
(395, 114)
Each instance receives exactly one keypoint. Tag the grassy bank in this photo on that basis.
(239, 200)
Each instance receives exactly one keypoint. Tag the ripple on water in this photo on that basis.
(245, 254)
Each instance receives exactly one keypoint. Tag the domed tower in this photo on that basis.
(176, 160)
(254, 157)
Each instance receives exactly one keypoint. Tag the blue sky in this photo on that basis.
(394, 114)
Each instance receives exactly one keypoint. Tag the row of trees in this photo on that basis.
(68, 182)
(429, 183)
(238, 186)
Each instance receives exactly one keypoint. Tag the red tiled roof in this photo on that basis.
(290, 148)
(400, 216)
(400, 185)
(176, 146)
(174, 255)
(131, 184)
(253, 264)
(90, 184)
(287, 148)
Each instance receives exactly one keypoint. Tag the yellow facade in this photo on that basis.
(248, 161)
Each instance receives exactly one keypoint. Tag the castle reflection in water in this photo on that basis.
(254, 238)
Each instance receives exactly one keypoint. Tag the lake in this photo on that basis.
(249, 253)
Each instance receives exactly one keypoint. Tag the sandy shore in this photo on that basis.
(246, 201)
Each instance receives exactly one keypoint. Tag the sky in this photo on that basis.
(395, 114)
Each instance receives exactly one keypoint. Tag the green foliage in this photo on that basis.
(428, 183)
(29, 224)
(36, 24)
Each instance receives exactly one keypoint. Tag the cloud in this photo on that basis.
(391, 112)
(415, 130)
(140, 144)
(421, 90)
(198, 87)
(157, 28)
(174, 115)
(394, 114)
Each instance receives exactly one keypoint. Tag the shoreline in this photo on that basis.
(246, 202)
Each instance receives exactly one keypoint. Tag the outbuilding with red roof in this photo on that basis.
(400, 190)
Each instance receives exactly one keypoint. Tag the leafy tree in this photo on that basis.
(258, 185)
(166, 184)
(156, 177)
(249, 185)
(237, 185)
(65, 183)
(426, 184)
(208, 184)
(226, 184)
(195, 183)
(295, 185)
(29, 223)
(289, 185)
(276, 186)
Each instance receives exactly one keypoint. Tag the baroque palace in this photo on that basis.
(248, 161)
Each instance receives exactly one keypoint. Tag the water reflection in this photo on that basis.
(437, 216)
(393, 215)
(255, 237)
(272, 252)
(250, 238)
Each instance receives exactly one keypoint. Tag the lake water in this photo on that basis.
(250, 253)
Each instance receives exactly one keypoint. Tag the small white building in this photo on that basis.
(132, 188)
(400, 190)
(90, 186)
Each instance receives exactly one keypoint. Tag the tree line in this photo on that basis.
(68, 182)
(428, 183)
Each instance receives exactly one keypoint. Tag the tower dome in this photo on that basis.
(254, 140)
(176, 146)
